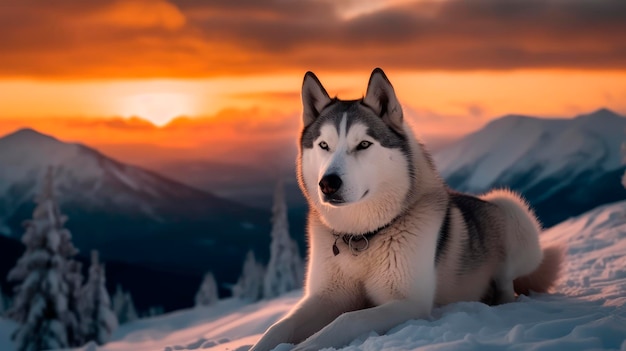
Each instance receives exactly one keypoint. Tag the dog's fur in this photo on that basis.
(388, 240)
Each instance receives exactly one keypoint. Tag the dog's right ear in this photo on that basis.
(314, 98)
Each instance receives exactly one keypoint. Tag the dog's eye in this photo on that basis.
(363, 145)
(323, 145)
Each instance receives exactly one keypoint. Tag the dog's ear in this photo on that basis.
(381, 98)
(314, 98)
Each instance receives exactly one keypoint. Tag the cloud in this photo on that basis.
(113, 123)
(194, 38)
(137, 14)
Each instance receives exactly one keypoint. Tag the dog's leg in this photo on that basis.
(350, 325)
(504, 292)
(306, 318)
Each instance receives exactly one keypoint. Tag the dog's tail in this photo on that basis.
(544, 277)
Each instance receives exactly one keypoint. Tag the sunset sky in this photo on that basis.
(81, 69)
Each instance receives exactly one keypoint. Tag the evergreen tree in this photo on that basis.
(250, 284)
(207, 294)
(97, 318)
(123, 306)
(118, 303)
(285, 270)
(41, 303)
(130, 314)
(73, 277)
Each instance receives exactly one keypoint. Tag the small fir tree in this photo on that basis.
(118, 303)
(207, 294)
(250, 284)
(40, 304)
(285, 270)
(97, 318)
(123, 306)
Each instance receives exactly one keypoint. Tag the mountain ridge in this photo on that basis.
(540, 158)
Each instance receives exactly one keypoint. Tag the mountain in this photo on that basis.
(562, 166)
(131, 215)
(255, 183)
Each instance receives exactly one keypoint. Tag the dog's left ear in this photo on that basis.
(381, 98)
(314, 98)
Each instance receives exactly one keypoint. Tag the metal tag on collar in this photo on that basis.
(352, 244)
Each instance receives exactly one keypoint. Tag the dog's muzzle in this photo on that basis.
(329, 185)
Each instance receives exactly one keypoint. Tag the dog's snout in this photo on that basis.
(330, 184)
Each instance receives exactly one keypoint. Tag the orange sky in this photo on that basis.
(71, 68)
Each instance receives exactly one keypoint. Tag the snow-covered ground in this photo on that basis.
(588, 311)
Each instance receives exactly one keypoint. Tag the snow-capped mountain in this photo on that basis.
(129, 214)
(562, 166)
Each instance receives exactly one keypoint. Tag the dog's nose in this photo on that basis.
(330, 184)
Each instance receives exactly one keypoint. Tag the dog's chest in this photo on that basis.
(383, 269)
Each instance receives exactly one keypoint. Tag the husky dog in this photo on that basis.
(388, 241)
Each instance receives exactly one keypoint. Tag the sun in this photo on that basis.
(158, 108)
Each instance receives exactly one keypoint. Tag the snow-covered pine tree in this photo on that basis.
(123, 306)
(130, 311)
(41, 297)
(74, 278)
(250, 284)
(207, 294)
(285, 270)
(118, 303)
(97, 318)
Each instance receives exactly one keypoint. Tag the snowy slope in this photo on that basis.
(550, 161)
(588, 311)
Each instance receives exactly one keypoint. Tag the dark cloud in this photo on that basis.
(192, 38)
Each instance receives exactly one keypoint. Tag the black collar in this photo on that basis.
(358, 242)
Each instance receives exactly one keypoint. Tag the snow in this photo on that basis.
(587, 311)
(37, 152)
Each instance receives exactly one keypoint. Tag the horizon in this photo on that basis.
(149, 155)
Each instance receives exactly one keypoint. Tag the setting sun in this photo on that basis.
(158, 108)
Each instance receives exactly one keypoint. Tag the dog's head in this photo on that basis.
(354, 163)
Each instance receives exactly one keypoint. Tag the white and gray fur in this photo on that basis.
(364, 174)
